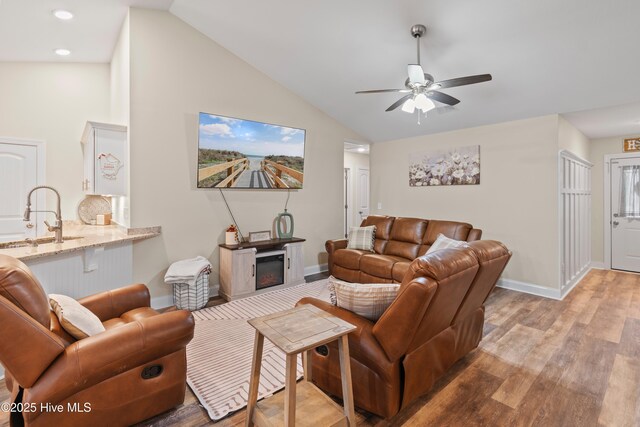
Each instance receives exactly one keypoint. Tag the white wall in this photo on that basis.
(177, 72)
(119, 108)
(598, 149)
(515, 203)
(571, 139)
(353, 161)
(52, 102)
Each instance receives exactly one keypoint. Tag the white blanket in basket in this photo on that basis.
(187, 270)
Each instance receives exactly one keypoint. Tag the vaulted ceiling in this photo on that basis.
(546, 56)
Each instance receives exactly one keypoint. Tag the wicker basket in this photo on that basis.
(192, 298)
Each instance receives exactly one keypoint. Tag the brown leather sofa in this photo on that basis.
(398, 242)
(130, 372)
(436, 319)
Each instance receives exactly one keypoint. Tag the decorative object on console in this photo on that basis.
(236, 153)
(362, 238)
(103, 219)
(368, 300)
(259, 236)
(231, 235)
(92, 206)
(443, 242)
(457, 166)
(284, 224)
(74, 318)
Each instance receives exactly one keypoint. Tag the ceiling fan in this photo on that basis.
(420, 87)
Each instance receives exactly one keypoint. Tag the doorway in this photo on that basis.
(356, 184)
(21, 169)
(622, 212)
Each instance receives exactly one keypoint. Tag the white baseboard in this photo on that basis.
(597, 264)
(529, 288)
(315, 269)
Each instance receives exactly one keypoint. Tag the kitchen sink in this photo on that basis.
(39, 241)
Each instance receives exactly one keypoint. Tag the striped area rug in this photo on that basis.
(219, 356)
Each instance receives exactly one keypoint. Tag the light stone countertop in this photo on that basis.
(92, 236)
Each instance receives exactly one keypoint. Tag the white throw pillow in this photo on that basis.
(368, 300)
(362, 238)
(443, 242)
(76, 319)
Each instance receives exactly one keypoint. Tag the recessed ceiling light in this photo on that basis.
(362, 149)
(65, 15)
(62, 52)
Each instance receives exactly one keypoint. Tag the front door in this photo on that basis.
(625, 209)
(18, 175)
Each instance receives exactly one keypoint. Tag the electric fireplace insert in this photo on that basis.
(269, 269)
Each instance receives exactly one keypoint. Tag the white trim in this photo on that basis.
(574, 282)
(529, 288)
(315, 269)
(599, 265)
(607, 202)
(41, 172)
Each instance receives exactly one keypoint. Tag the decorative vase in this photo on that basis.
(284, 223)
(231, 238)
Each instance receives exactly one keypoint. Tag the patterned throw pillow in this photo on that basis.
(369, 300)
(362, 238)
(76, 319)
(443, 242)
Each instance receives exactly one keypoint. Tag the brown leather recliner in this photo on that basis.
(436, 319)
(130, 372)
(398, 241)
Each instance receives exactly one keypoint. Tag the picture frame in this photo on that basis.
(259, 236)
(631, 145)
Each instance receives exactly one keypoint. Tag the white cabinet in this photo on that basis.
(294, 270)
(237, 272)
(105, 159)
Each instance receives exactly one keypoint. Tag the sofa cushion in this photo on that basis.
(399, 270)
(451, 229)
(379, 265)
(348, 258)
(406, 237)
(383, 230)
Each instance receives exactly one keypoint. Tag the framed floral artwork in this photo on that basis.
(455, 166)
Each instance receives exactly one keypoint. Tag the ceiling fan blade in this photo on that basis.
(384, 90)
(416, 74)
(399, 102)
(462, 81)
(442, 97)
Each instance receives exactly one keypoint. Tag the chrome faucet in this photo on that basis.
(58, 224)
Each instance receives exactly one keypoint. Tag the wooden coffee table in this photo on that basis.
(295, 331)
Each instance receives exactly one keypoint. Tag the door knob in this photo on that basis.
(615, 223)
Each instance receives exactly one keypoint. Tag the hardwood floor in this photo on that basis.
(541, 362)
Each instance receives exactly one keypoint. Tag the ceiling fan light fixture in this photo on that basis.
(424, 103)
(409, 106)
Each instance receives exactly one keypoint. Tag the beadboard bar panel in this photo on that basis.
(82, 273)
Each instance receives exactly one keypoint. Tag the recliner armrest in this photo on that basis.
(97, 358)
(363, 346)
(113, 303)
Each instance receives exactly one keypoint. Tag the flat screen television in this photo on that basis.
(236, 153)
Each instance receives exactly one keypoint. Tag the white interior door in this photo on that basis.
(18, 175)
(362, 191)
(348, 215)
(625, 212)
